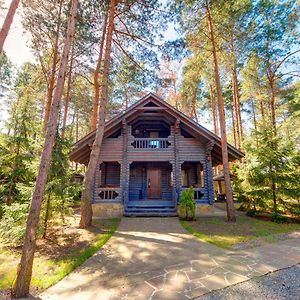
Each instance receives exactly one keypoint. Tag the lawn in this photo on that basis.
(66, 248)
(246, 232)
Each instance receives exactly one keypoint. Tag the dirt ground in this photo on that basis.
(61, 244)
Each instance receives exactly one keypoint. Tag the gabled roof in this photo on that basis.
(81, 150)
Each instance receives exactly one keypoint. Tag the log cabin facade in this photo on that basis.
(149, 155)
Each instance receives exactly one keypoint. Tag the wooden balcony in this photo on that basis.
(150, 143)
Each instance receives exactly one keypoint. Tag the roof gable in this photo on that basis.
(149, 104)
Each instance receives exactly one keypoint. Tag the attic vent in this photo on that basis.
(150, 104)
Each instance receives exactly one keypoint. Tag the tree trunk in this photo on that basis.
(64, 123)
(96, 77)
(254, 122)
(233, 127)
(47, 215)
(193, 113)
(272, 103)
(53, 69)
(7, 23)
(261, 104)
(213, 109)
(236, 98)
(86, 203)
(24, 272)
(229, 196)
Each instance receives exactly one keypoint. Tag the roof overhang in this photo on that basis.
(81, 149)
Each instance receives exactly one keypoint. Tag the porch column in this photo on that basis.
(125, 165)
(97, 182)
(209, 172)
(177, 164)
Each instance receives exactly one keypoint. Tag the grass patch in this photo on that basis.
(217, 231)
(47, 270)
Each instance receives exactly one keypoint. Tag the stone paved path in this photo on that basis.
(155, 258)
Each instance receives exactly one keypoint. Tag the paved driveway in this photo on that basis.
(155, 258)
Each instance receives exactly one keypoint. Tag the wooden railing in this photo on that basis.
(151, 143)
(198, 193)
(108, 193)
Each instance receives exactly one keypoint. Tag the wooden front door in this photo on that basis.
(154, 183)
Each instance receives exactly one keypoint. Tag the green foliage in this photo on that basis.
(18, 149)
(251, 213)
(12, 225)
(187, 205)
(268, 177)
(278, 218)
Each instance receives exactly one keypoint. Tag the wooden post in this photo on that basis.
(177, 164)
(209, 173)
(125, 166)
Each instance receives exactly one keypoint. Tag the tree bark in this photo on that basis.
(47, 215)
(24, 272)
(229, 195)
(254, 122)
(96, 77)
(213, 109)
(7, 23)
(53, 69)
(236, 98)
(86, 203)
(64, 123)
(272, 102)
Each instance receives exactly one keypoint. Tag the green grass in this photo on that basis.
(217, 231)
(47, 272)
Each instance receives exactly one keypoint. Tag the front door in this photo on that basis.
(154, 183)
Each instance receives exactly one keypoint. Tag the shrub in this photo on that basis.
(187, 206)
(278, 218)
(13, 224)
(251, 213)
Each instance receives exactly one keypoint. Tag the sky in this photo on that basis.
(15, 45)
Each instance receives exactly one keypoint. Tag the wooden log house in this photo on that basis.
(149, 155)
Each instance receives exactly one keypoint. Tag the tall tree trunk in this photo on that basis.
(229, 195)
(272, 102)
(235, 120)
(86, 203)
(213, 109)
(65, 116)
(261, 103)
(53, 68)
(254, 122)
(126, 99)
(96, 77)
(47, 213)
(233, 127)
(24, 272)
(7, 23)
(236, 97)
(193, 112)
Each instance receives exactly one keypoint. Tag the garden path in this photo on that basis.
(155, 258)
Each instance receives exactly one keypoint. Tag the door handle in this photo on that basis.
(149, 183)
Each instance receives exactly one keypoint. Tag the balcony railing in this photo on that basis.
(108, 193)
(151, 143)
(198, 193)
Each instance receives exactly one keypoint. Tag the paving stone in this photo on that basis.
(193, 275)
(157, 282)
(168, 295)
(197, 292)
(233, 278)
(155, 258)
(213, 282)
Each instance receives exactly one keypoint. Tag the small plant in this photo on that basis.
(187, 206)
(251, 213)
(278, 218)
